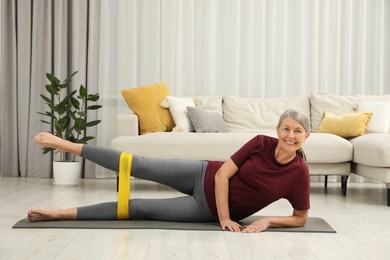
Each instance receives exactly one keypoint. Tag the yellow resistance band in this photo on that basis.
(124, 185)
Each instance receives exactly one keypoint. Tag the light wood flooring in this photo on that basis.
(362, 221)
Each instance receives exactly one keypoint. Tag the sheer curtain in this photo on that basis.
(259, 48)
(249, 48)
(37, 37)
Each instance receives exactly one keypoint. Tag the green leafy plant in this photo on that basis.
(68, 114)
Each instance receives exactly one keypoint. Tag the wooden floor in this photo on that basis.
(362, 221)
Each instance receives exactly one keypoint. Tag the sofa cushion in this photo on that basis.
(327, 148)
(372, 149)
(336, 104)
(380, 120)
(145, 103)
(209, 103)
(319, 148)
(347, 125)
(206, 122)
(183, 145)
(254, 114)
(376, 173)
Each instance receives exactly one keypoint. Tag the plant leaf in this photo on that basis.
(75, 102)
(92, 123)
(52, 90)
(53, 79)
(63, 122)
(85, 139)
(81, 113)
(93, 97)
(48, 100)
(70, 94)
(69, 79)
(46, 122)
(45, 150)
(71, 114)
(79, 125)
(83, 91)
(44, 114)
(94, 107)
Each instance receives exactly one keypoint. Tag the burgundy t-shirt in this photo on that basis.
(260, 180)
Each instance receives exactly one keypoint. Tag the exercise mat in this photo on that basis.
(313, 225)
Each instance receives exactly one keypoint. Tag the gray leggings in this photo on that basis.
(186, 176)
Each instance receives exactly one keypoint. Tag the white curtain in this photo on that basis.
(248, 48)
(1, 30)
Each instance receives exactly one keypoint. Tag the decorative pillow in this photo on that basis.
(205, 121)
(347, 125)
(380, 120)
(145, 103)
(178, 108)
(207, 103)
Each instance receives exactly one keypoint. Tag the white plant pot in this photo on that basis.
(66, 173)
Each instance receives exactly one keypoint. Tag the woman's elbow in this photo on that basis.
(301, 221)
(300, 217)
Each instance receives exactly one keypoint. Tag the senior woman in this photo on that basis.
(262, 171)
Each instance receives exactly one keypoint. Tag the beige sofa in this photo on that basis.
(327, 154)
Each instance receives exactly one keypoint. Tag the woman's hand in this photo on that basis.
(257, 226)
(230, 225)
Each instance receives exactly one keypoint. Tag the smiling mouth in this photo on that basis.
(290, 142)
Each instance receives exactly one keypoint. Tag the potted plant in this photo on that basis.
(68, 120)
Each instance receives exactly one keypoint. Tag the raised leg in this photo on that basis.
(51, 141)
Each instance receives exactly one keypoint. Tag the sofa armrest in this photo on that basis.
(127, 125)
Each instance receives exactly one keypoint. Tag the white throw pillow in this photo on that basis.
(178, 108)
(380, 120)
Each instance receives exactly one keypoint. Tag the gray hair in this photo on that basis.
(302, 119)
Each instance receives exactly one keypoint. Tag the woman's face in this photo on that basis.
(291, 135)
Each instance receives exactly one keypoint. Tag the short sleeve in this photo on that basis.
(246, 150)
(300, 196)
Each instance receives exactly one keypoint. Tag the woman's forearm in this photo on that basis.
(222, 177)
(222, 197)
(288, 221)
(298, 219)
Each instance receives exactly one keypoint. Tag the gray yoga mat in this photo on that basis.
(313, 225)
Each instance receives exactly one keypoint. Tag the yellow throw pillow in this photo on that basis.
(145, 103)
(347, 125)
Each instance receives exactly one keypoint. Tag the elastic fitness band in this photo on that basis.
(126, 160)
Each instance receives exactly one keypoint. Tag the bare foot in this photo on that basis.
(51, 141)
(51, 214)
